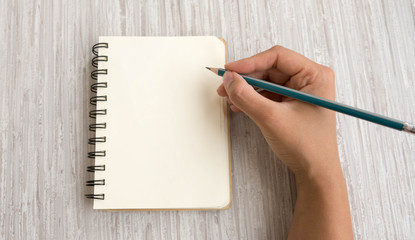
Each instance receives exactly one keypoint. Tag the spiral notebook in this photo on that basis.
(159, 134)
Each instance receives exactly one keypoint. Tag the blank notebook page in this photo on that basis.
(167, 135)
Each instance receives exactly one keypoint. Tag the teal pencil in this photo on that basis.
(322, 102)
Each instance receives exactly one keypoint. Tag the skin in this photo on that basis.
(303, 136)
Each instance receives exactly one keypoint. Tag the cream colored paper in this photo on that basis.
(167, 129)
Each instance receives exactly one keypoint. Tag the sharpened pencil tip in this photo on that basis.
(208, 68)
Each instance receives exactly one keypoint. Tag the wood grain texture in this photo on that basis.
(44, 91)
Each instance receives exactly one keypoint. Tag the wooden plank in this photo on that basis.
(44, 91)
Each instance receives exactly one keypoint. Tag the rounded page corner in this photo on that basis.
(222, 40)
(227, 206)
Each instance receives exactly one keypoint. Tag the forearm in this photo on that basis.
(322, 207)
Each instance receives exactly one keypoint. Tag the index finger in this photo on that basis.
(284, 60)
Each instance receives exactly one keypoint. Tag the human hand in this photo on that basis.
(302, 135)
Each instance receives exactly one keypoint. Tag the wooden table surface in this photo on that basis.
(44, 89)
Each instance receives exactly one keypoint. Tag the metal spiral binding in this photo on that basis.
(95, 73)
(95, 99)
(96, 168)
(94, 127)
(98, 45)
(95, 140)
(95, 86)
(93, 114)
(97, 59)
(95, 154)
(95, 182)
(95, 196)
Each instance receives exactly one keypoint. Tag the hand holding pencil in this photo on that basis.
(295, 130)
(302, 135)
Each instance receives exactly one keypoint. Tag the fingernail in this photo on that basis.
(227, 79)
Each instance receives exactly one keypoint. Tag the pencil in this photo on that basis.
(326, 103)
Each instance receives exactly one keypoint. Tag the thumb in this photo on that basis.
(243, 96)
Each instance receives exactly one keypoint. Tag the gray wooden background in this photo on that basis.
(44, 90)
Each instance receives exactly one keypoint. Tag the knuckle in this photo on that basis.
(328, 74)
(309, 69)
(276, 47)
(309, 73)
(237, 92)
(328, 71)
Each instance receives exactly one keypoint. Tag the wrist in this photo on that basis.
(320, 170)
(322, 177)
(322, 207)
